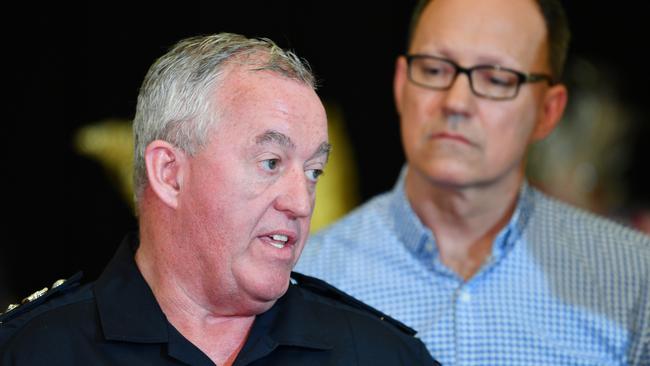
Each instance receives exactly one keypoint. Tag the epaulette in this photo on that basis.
(325, 289)
(39, 297)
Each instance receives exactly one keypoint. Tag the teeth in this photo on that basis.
(279, 240)
(279, 237)
(277, 245)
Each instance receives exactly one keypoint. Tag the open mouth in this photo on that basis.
(278, 240)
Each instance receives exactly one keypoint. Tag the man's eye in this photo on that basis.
(270, 164)
(432, 71)
(504, 82)
(313, 174)
(501, 79)
(435, 71)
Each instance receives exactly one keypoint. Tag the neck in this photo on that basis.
(464, 220)
(219, 331)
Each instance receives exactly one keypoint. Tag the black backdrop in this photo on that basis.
(69, 66)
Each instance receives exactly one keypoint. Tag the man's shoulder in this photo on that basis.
(374, 334)
(602, 245)
(322, 292)
(583, 225)
(51, 306)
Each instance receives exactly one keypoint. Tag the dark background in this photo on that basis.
(69, 66)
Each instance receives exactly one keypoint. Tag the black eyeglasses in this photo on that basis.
(487, 81)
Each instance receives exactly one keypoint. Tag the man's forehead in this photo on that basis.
(486, 29)
(240, 80)
(244, 98)
(270, 108)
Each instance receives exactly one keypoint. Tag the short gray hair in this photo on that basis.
(174, 103)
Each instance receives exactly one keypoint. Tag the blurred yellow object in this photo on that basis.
(337, 191)
(110, 142)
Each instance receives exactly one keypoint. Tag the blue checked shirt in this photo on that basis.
(562, 286)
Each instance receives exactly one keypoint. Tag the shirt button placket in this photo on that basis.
(462, 323)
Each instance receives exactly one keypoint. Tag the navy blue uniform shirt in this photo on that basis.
(117, 321)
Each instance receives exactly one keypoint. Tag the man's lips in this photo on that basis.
(279, 238)
(451, 136)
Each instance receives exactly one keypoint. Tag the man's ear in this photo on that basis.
(399, 79)
(165, 167)
(554, 102)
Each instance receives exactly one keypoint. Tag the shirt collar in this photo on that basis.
(410, 230)
(288, 323)
(297, 324)
(415, 235)
(511, 234)
(128, 310)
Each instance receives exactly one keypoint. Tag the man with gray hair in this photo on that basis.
(230, 139)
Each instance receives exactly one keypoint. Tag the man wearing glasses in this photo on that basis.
(486, 268)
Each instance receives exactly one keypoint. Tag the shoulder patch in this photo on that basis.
(39, 297)
(324, 289)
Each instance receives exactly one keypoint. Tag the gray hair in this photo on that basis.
(174, 103)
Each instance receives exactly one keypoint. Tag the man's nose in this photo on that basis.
(295, 195)
(459, 97)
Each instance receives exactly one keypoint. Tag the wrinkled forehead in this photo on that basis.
(258, 100)
(246, 86)
(473, 31)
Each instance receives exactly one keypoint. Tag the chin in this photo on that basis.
(445, 175)
(267, 287)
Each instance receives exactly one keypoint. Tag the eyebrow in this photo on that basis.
(489, 59)
(275, 137)
(323, 149)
